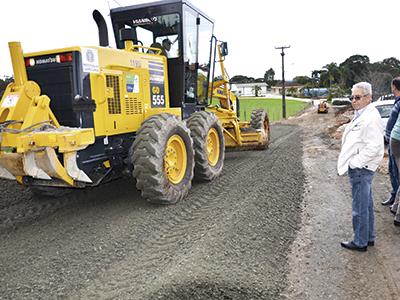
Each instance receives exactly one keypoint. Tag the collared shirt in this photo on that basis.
(359, 112)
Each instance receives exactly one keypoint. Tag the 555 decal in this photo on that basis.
(157, 95)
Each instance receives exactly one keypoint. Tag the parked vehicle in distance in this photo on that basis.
(384, 107)
(386, 97)
(341, 101)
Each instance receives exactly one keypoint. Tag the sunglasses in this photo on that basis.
(357, 97)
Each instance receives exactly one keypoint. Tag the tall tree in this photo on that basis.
(316, 77)
(393, 62)
(354, 69)
(256, 90)
(331, 76)
(269, 77)
(241, 79)
(303, 80)
(380, 82)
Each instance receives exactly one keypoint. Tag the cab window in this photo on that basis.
(158, 29)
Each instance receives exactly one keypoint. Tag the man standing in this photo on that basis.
(393, 171)
(361, 153)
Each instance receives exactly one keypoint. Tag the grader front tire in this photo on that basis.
(163, 159)
(260, 121)
(209, 145)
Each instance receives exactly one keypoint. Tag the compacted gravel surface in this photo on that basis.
(229, 239)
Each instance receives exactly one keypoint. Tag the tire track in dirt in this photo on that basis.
(176, 229)
(247, 287)
(29, 208)
(18, 207)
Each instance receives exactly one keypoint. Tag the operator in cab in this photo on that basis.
(166, 45)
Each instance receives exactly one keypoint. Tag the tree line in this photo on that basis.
(3, 84)
(339, 78)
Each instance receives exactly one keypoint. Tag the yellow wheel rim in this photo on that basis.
(212, 147)
(175, 159)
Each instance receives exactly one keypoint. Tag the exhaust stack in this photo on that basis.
(102, 26)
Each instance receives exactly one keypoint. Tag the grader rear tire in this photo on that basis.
(209, 145)
(163, 159)
(260, 121)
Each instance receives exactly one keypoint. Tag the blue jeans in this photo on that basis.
(362, 206)
(394, 174)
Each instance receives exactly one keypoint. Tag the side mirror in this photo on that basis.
(224, 48)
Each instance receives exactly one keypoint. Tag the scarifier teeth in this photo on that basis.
(31, 168)
(42, 164)
(72, 168)
(6, 174)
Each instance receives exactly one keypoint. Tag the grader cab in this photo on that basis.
(80, 116)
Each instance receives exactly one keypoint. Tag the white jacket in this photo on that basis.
(362, 142)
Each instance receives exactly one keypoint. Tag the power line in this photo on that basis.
(113, 1)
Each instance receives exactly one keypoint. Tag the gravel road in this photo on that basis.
(229, 239)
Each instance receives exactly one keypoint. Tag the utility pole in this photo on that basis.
(283, 80)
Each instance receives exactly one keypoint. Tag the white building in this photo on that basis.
(289, 87)
(248, 89)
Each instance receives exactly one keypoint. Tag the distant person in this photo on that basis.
(166, 44)
(361, 153)
(393, 170)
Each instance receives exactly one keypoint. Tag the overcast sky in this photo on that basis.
(319, 32)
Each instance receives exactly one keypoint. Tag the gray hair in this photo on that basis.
(365, 86)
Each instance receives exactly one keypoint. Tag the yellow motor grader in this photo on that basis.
(322, 107)
(80, 116)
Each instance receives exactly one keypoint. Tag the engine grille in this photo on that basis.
(133, 106)
(114, 103)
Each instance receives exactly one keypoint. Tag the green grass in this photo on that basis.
(272, 106)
